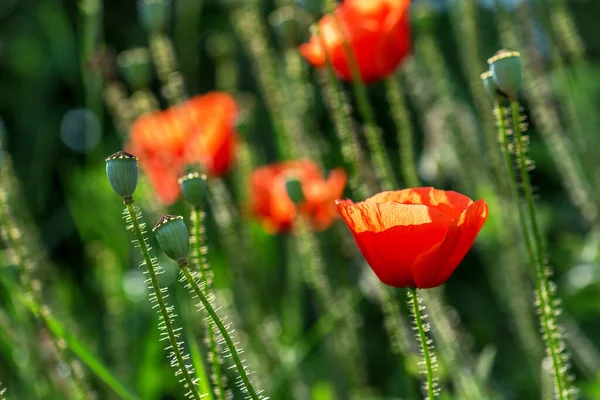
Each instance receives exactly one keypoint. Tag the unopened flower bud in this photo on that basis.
(193, 186)
(173, 237)
(294, 190)
(122, 173)
(154, 14)
(505, 67)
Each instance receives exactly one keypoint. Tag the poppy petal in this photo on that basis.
(392, 236)
(445, 201)
(434, 267)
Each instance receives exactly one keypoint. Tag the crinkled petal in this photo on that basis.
(392, 236)
(445, 201)
(435, 266)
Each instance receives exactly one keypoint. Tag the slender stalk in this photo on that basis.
(429, 360)
(541, 270)
(205, 275)
(158, 294)
(528, 224)
(503, 138)
(222, 329)
(196, 356)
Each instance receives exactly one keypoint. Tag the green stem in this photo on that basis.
(503, 138)
(404, 131)
(166, 317)
(219, 324)
(427, 357)
(196, 356)
(546, 297)
(198, 243)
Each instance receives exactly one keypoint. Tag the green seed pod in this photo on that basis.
(154, 14)
(122, 172)
(136, 67)
(505, 67)
(294, 190)
(193, 186)
(173, 237)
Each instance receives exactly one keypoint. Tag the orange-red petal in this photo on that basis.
(377, 31)
(271, 203)
(434, 267)
(392, 236)
(446, 201)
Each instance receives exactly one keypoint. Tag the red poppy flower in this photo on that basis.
(271, 203)
(377, 30)
(414, 237)
(199, 131)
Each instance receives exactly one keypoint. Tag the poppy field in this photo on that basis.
(299, 199)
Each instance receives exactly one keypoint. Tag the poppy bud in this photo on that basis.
(122, 173)
(505, 67)
(154, 14)
(193, 186)
(173, 237)
(294, 190)
(490, 86)
(135, 67)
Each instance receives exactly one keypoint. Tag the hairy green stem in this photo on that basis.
(546, 299)
(198, 242)
(503, 138)
(416, 308)
(221, 327)
(166, 317)
(533, 244)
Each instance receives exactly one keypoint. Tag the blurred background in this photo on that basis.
(59, 59)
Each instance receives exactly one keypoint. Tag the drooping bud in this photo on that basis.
(173, 237)
(154, 14)
(136, 68)
(505, 67)
(294, 190)
(122, 173)
(193, 186)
